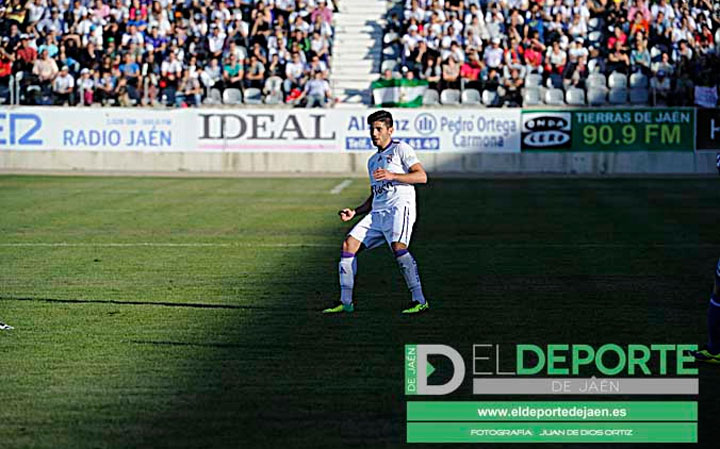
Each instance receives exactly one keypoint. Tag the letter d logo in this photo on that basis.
(417, 369)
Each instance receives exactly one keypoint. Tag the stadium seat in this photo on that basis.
(253, 95)
(639, 95)
(490, 98)
(390, 37)
(617, 81)
(595, 37)
(214, 97)
(618, 96)
(554, 97)
(554, 81)
(593, 66)
(274, 97)
(596, 96)
(533, 80)
(638, 80)
(594, 24)
(388, 64)
(655, 54)
(470, 96)
(431, 97)
(232, 96)
(272, 84)
(531, 96)
(575, 97)
(596, 81)
(391, 52)
(450, 96)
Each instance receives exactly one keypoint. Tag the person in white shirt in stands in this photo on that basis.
(493, 56)
(63, 87)
(216, 42)
(294, 71)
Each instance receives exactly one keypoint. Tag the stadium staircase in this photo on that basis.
(357, 49)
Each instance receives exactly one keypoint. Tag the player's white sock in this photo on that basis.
(409, 270)
(347, 268)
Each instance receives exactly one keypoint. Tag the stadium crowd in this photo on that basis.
(498, 45)
(176, 52)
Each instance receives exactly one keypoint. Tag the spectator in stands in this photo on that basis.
(86, 87)
(493, 56)
(316, 65)
(470, 72)
(170, 72)
(451, 74)
(45, 68)
(431, 73)
(664, 65)
(661, 30)
(576, 74)
(233, 73)
(660, 88)
(555, 59)
(596, 63)
(63, 88)
(255, 73)
(294, 73)
(189, 90)
(121, 93)
(618, 60)
(640, 59)
(6, 62)
(619, 37)
(316, 91)
(105, 89)
(513, 88)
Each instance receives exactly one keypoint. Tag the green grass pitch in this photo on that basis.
(183, 313)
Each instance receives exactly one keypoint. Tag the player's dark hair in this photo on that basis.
(381, 116)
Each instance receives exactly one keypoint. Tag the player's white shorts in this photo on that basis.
(393, 225)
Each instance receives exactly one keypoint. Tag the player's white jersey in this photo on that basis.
(397, 157)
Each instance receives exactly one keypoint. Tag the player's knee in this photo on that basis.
(399, 249)
(349, 246)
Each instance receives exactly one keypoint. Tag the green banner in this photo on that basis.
(637, 129)
(553, 432)
(552, 411)
(398, 93)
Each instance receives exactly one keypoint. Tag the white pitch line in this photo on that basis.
(458, 245)
(340, 187)
(166, 245)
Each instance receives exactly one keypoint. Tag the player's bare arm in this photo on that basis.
(348, 214)
(416, 175)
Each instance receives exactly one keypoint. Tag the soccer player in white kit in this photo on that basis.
(390, 210)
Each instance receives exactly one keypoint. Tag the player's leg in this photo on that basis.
(347, 267)
(363, 235)
(711, 352)
(401, 227)
(409, 270)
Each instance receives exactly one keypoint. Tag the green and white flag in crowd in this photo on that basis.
(399, 93)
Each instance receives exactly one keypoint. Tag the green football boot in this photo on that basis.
(416, 307)
(339, 307)
(705, 356)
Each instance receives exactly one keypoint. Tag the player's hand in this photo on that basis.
(383, 175)
(346, 214)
